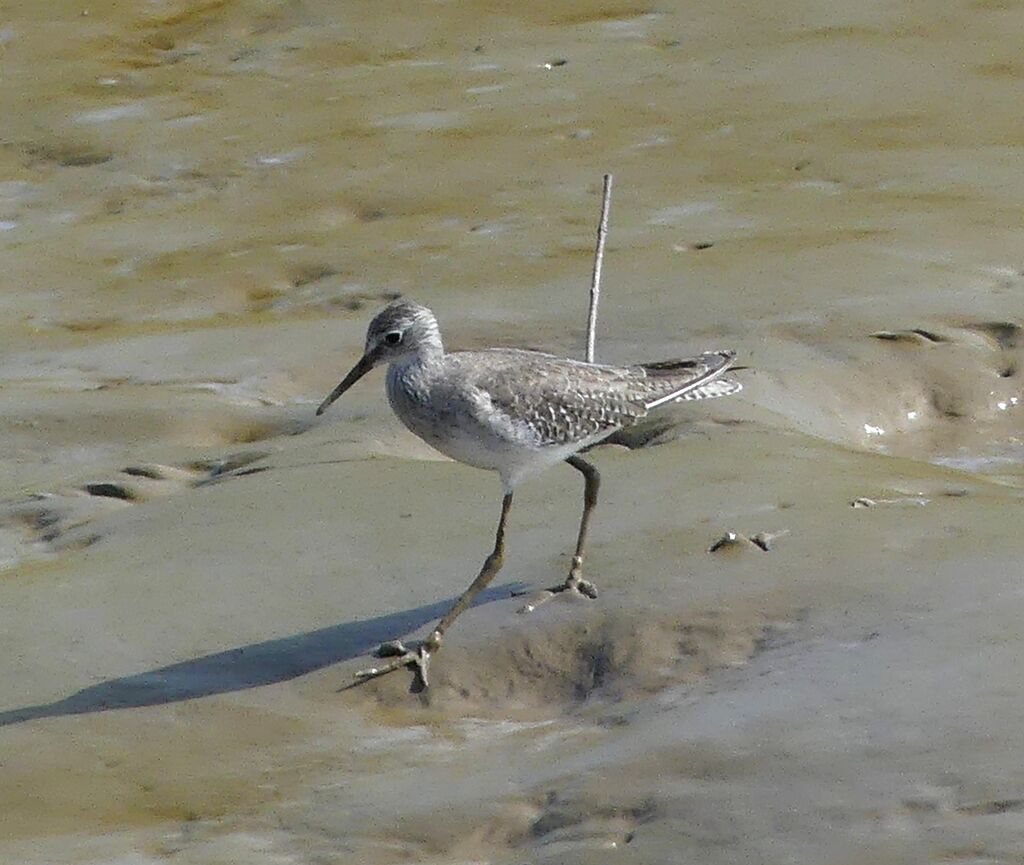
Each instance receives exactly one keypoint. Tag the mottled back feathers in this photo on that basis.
(560, 400)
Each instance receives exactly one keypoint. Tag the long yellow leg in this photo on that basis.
(492, 564)
(575, 582)
(419, 658)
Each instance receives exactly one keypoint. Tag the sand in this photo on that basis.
(201, 206)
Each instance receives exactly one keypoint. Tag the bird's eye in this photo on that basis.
(393, 338)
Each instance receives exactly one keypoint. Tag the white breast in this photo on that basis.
(464, 425)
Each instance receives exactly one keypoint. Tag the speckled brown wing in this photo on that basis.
(562, 400)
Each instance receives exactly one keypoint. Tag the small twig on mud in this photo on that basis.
(595, 282)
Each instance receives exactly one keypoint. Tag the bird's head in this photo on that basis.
(401, 329)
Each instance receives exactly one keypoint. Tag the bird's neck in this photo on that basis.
(430, 349)
(411, 378)
(428, 356)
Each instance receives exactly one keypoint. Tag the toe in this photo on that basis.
(391, 649)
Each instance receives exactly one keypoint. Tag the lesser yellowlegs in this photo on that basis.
(517, 413)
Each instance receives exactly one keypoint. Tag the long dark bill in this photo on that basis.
(357, 372)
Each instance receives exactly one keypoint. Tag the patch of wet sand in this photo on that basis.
(563, 698)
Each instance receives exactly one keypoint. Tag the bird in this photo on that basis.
(515, 412)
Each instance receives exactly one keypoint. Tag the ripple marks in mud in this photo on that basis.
(46, 523)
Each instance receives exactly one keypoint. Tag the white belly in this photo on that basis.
(461, 430)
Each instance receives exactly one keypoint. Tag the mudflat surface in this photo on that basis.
(201, 206)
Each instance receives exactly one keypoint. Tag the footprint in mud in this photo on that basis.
(962, 828)
(550, 821)
(1005, 334)
(592, 659)
(46, 523)
(570, 822)
(963, 372)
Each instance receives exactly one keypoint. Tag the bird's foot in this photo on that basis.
(573, 583)
(417, 659)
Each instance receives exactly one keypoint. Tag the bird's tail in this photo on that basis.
(697, 378)
(713, 389)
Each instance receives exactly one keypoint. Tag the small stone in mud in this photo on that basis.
(763, 541)
(150, 472)
(110, 491)
(371, 214)
(312, 273)
(992, 806)
(731, 541)
(68, 154)
(928, 335)
(87, 325)
(916, 335)
(865, 502)
(766, 539)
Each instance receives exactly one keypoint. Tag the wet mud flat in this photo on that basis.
(829, 694)
(807, 641)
